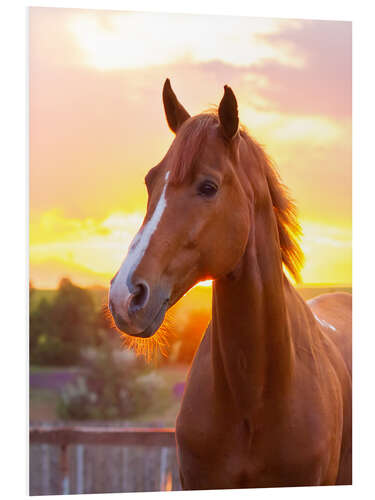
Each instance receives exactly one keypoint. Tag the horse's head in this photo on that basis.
(197, 221)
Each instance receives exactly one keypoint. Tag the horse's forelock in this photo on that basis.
(188, 145)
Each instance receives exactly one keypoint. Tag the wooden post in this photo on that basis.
(45, 469)
(80, 469)
(125, 453)
(64, 469)
(163, 467)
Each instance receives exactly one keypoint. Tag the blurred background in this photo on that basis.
(97, 126)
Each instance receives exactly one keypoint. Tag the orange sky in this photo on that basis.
(97, 125)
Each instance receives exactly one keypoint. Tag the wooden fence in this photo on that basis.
(142, 459)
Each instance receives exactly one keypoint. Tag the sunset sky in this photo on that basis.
(97, 126)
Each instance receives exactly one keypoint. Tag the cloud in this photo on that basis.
(90, 252)
(95, 134)
(49, 43)
(328, 253)
(48, 273)
(324, 84)
(135, 40)
(95, 245)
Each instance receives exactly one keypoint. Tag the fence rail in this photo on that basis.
(118, 436)
(79, 436)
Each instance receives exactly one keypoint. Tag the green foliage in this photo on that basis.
(73, 313)
(40, 320)
(59, 328)
(52, 350)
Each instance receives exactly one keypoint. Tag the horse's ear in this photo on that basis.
(175, 113)
(228, 113)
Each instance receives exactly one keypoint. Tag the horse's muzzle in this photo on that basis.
(139, 312)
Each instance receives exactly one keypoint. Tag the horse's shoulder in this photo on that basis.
(333, 311)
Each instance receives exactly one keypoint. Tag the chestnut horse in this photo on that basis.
(268, 396)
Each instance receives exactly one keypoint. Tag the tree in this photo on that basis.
(40, 329)
(73, 314)
(60, 328)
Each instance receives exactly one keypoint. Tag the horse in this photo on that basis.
(267, 401)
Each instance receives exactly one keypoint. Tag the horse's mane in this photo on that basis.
(286, 214)
(187, 148)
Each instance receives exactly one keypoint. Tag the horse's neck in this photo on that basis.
(251, 343)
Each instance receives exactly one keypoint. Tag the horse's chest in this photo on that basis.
(235, 457)
(214, 456)
(217, 450)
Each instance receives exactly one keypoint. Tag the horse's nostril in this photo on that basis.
(139, 298)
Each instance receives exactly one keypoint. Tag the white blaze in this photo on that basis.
(119, 289)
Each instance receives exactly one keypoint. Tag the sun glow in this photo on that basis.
(90, 251)
(205, 283)
(107, 40)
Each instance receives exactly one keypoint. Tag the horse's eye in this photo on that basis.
(207, 189)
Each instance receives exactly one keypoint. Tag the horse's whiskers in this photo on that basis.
(149, 347)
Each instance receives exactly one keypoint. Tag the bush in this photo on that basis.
(148, 390)
(77, 401)
(50, 350)
(117, 386)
